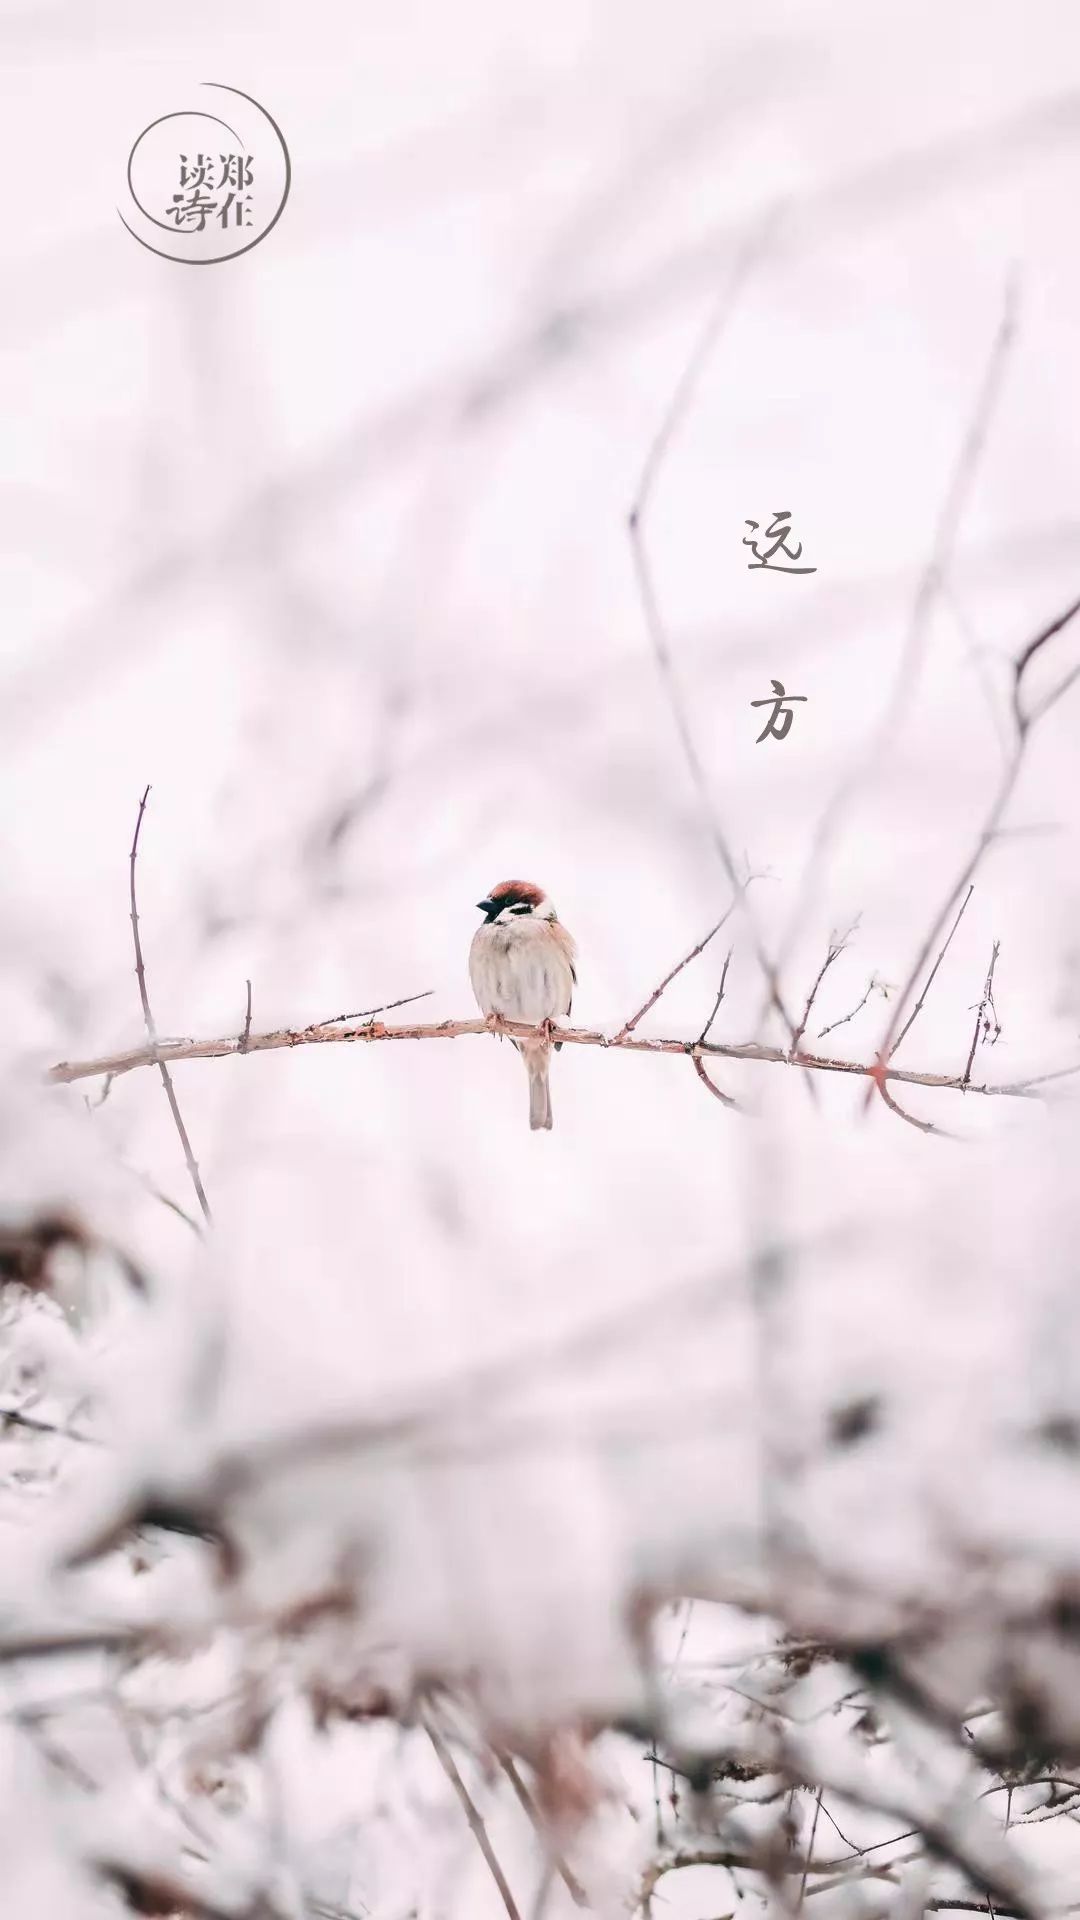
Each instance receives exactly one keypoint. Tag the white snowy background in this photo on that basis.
(329, 545)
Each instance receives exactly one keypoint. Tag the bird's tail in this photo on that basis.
(537, 1061)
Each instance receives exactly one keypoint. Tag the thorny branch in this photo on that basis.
(340, 1029)
(374, 1031)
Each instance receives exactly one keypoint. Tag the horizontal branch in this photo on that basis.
(373, 1030)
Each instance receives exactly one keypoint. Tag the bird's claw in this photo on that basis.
(496, 1023)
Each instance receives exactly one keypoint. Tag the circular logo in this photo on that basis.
(205, 186)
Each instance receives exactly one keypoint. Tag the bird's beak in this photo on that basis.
(484, 906)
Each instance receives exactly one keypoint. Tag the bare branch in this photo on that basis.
(729, 1857)
(836, 946)
(1023, 662)
(703, 1074)
(368, 1013)
(474, 1818)
(679, 405)
(921, 1001)
(102, 1096)
(246, 1035)
(1036, 1080)
(753, 247)
(875, 986)
(933, 578)
(151, 1030)
(707, 1028)
(668, 978)
(810, 1846)
(977, 663)
(924, 1126)
(573, 1886)
(987, 1001)
(375, 1031)
(1025, 723)
(1044, 705)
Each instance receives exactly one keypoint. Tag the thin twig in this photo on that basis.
(875, 985)
(543, 1892)
(173, 1206)
(1036, 1080)
(978, 666)
(573, 1886)
(668, 978)
(921, 1001)
(376, 1031)
(102, 1096)
(151, 1030)
(986, 1001)
(1025, 723)
(707, 1028)
(1044, 705)
(958, 493)
(835, 948)
(810, 1849)
(165, 1199)
(678, 406)
(246, 1035)
(924, 1126)
(368, 1013)
(474, 1818)
(702, 1074)
(691, 1857)
(753, 247)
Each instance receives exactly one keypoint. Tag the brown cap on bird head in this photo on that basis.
(510, 893)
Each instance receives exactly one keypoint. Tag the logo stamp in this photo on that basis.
(205, 188)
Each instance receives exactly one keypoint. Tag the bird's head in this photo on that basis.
(515, 900)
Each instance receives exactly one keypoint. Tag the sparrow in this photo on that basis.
(521, 965)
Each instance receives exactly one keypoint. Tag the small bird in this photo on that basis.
(521, 964)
